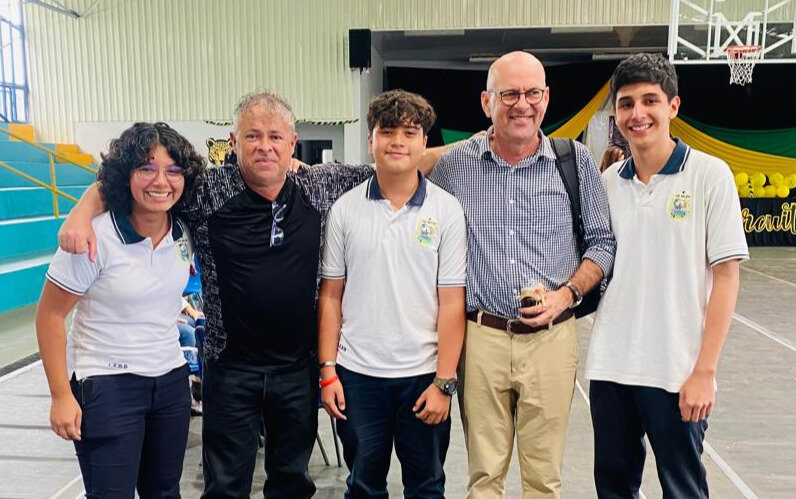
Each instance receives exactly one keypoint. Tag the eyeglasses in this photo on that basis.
(277, 234)
(148, 173)
(511, 97)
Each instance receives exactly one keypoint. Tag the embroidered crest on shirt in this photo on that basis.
(182, 251)
(680, 206)
(426, 231)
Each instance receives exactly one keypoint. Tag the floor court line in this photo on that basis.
(765, 331)
(783, 281)
(63, 490)
(729, 472)
(21, 370)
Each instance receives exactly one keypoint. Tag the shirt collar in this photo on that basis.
(417, 198)
(127, 233)
(675, 164)
(545, 149)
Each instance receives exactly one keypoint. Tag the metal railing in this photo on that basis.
(53, 186)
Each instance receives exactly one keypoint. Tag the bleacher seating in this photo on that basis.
(28, 226)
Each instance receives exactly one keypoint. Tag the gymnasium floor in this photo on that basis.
(751, 443)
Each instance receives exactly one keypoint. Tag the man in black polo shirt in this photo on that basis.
(257, 228)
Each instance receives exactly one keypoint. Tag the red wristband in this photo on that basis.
(326, 382)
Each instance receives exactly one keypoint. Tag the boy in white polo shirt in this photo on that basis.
(391, 309)
(661, 326)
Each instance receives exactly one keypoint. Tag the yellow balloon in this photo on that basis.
(790, 181)
(776, 179)
(783, 191)
(741, 178)
(757, 179)
(758, 191)
(744, 190)
(771, 191)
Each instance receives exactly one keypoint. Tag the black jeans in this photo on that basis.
(134, 433)
(621, 415)
(379, 412)
(236, 404)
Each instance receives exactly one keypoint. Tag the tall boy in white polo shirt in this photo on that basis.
(661, 326)
(391, 309)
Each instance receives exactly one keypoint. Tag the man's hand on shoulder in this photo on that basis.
(76, 235)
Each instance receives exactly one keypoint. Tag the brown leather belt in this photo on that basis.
(513, 326)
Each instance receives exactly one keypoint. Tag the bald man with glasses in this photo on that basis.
(519, 365)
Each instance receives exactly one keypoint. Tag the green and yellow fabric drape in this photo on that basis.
(740, 160)
(575, 126)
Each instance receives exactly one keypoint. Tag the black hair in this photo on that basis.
(131, 150)
(398, 107)
(645, 68)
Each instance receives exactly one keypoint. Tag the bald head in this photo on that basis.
(513, 60)
(515, 99)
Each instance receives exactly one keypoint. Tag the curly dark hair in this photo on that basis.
(645, 68)
(399, 107)
(131, 150)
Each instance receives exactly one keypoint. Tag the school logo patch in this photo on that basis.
(680, 206)
(426, 231)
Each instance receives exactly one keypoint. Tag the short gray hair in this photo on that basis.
(273, 102)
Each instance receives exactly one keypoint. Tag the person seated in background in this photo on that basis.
(118, 383)
(187, 326)
(611, 156)
(186, 323)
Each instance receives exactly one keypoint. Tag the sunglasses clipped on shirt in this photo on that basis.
(278, 213)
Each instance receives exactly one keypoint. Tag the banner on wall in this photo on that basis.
(769, 222)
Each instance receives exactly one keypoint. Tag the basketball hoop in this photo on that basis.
(742, 59)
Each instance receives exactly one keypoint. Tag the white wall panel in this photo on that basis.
(452, 14)
(184, 60)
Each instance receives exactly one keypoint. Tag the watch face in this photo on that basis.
(451, 386)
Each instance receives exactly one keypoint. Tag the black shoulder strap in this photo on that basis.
(568, 169)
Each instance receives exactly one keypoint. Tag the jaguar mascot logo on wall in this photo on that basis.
(218, 150)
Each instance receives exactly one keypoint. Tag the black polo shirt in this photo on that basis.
(267, 292)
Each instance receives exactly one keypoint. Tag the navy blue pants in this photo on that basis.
(379, 412)
(236, 405)
(621, 416)
(134, 433)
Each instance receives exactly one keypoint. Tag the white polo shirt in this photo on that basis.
(393, 262)
(669, 233)
(126, 319)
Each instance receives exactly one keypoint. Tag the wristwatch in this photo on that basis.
(447, 385)
(577, 296)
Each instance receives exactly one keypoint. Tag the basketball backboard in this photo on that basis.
(700, 31)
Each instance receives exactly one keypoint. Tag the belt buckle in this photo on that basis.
(511, 322)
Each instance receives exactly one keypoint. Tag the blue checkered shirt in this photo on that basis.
(519, 220)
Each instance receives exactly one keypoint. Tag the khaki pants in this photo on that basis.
(523, 385)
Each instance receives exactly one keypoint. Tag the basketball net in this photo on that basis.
(742, 59)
